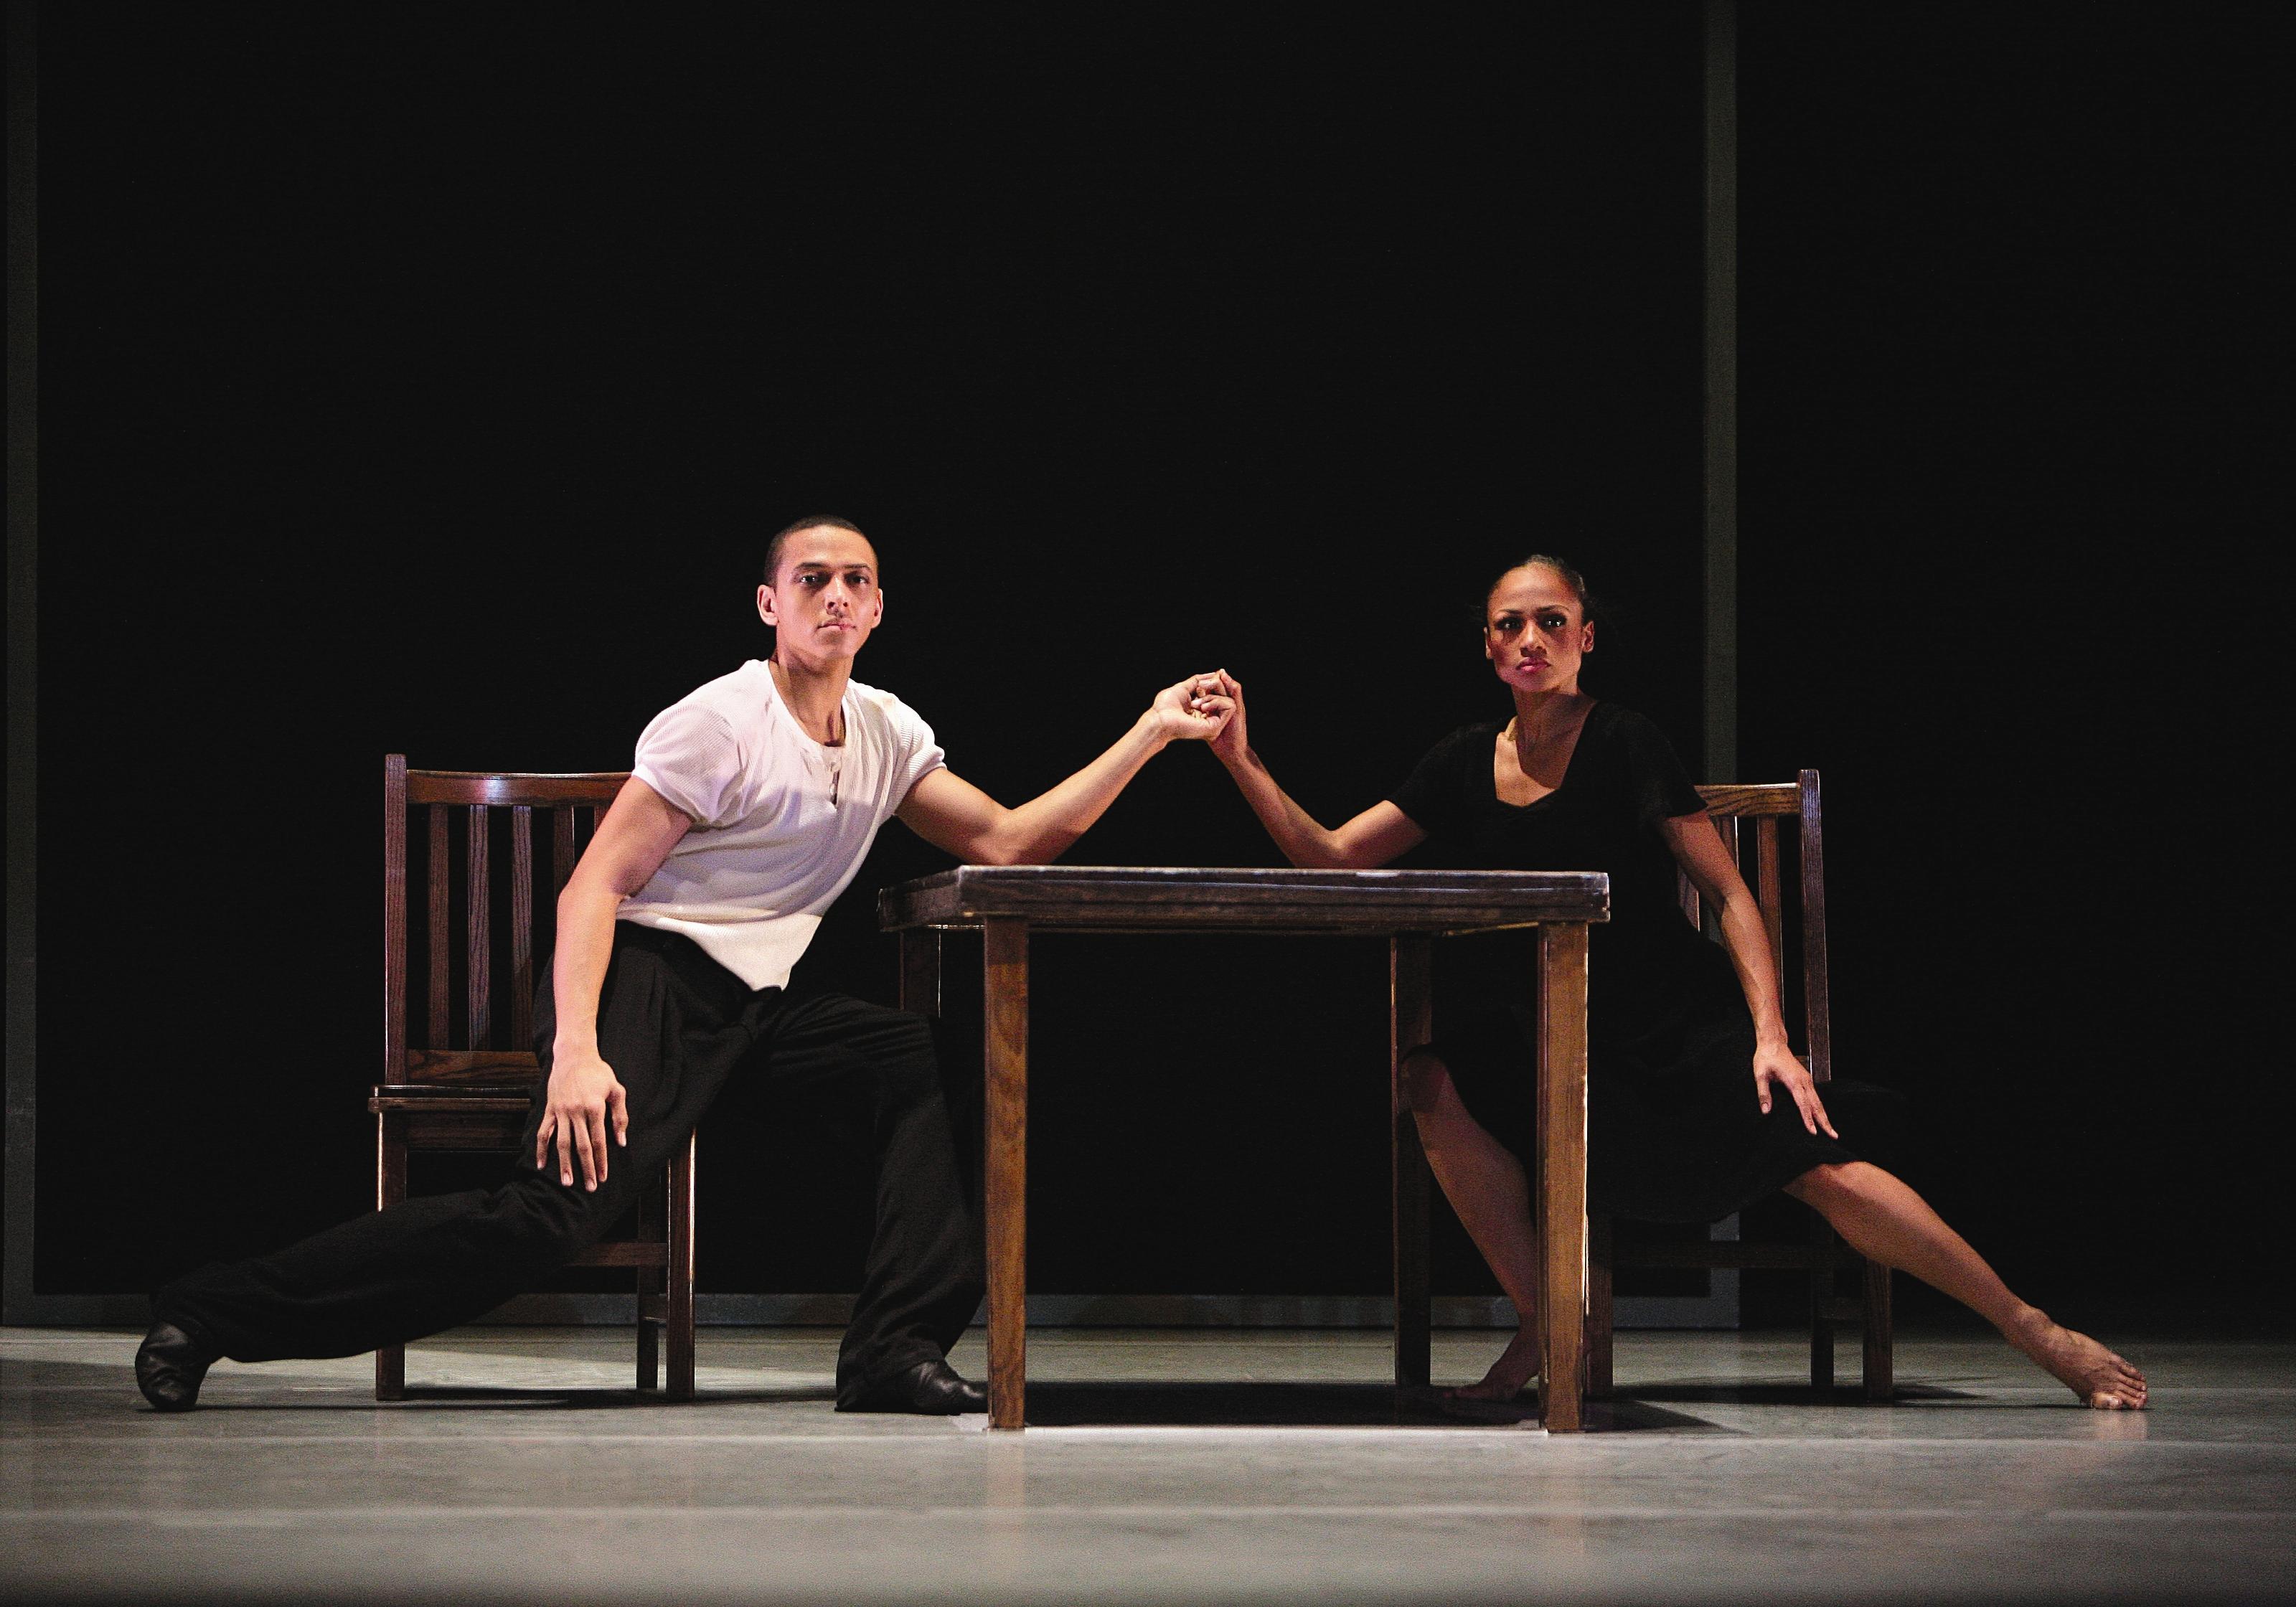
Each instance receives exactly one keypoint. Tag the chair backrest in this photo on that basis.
(478, 809)
(1766, 807)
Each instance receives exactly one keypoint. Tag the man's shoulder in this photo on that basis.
(740, 697)
(884, 709)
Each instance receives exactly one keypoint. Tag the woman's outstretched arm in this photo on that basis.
(1371, 838)
(1713, 870)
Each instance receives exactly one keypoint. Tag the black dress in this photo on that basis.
(1676, 1133)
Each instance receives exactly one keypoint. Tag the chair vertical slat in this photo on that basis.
(394, 918)
(476, 914)
(562, 847)
(522, 925)
(1766, 894)
(1813, 931)
(439, 894)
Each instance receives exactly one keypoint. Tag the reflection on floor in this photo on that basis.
(1182, 1465)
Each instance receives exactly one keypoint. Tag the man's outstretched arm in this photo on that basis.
(954, 815)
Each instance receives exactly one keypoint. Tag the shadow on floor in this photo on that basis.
(1257, 1405)
(1777, 1395)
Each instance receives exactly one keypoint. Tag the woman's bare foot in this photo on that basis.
(2102, 1380)
(1509, 1375)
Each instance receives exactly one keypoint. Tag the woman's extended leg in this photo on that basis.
(1887, 1222)
(1486, 1186)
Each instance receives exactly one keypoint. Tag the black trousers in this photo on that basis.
(676, 1026)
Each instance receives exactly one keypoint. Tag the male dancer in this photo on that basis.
(750, 807)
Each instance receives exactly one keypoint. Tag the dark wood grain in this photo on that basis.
(1767, 897)
(680, 1319)
(1410, 1025)
(471, 787)
(1562, 1100)
(1054, 898)
(1601, 1310)
(1879, 1340)
(1821, 1296)
(472, 1096)
(1767, 798)
(1775, 809)
(1006, 1164)
(394, 915)
(477, 898)
(440, 877)
(1817, 1001)
(495, 1067)
(522, 924)
(920, 979)
(1009, 903)
(562, 847)
(390, 1189)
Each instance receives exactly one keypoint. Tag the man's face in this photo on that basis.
(823, 600)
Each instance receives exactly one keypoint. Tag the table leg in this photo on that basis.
(920, 970)
(1408, 1017)
(1006, 1164)
(1562, 1170)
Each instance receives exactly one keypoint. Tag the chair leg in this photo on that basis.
(679, 1283)
(1821, 1296)
(390, 1190)
(649, 1333)
(652, 1286)
(1880, 1336)
(1599, 1311)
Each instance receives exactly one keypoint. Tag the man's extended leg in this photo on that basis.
(922, 1283)
(671, 1022)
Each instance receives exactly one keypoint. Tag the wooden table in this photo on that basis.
(1409, 909)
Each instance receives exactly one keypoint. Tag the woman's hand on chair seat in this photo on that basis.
(1774, 1065)
(584, 1091)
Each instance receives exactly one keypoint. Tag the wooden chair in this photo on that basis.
(1821, 1255)
(462, 1088)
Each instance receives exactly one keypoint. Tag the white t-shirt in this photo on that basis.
(781, 823)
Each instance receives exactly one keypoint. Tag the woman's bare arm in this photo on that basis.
(1713, 871)
(1373, 838)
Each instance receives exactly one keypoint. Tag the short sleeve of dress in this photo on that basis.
(687, 754)
(1435, 795)
(1659, 786)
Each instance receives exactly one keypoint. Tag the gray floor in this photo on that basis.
(1179, 1466)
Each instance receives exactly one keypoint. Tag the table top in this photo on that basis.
(1086, 898)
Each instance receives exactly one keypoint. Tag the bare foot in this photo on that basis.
(1516, 1366)
(2102, 1380)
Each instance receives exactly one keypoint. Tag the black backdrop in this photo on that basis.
(426, 380)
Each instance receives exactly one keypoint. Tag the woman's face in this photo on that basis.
(1534, 633)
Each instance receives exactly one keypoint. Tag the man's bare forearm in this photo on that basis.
(1035, 831)
(578, 965)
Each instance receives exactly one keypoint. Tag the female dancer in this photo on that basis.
(1571, 783)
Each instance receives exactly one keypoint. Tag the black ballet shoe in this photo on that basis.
(931, 1389)
(170, 1367)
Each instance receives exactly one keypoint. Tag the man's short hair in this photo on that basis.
(781, 538)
